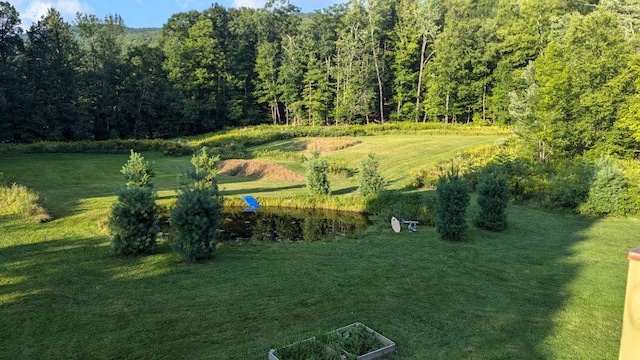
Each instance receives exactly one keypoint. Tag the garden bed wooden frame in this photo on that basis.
(389, 347)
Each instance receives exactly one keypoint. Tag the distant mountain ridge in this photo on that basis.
(142, 36)
(132, 36)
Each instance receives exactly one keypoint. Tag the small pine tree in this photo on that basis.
(198, 210)
(452, 195)
(493, 198)
(317, 178)
(608, 191)
(133, 223)
(195, 221)
(203, 171)
(137, 172)
(370, 180)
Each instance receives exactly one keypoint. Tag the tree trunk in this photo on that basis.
(484, 103)
(138, 115)
(379, 78)
(380, 90)
(423, 48)
(277, 116)
(326, 113)
(274, 114)
(446, 109)
(423, 63)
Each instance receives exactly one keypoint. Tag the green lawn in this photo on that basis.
(551, 286)
(398, 154)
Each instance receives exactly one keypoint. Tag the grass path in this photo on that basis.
(550, 287)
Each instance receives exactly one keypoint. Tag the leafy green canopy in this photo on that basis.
(564, 72)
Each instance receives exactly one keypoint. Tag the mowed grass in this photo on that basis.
(551, 286)
(397, 155)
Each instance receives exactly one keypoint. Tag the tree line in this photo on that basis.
(564, 73)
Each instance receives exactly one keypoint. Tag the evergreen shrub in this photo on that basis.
(202, 173)
(493, 198)
(137, 172)
(194, 221)
(453, 198)
(370, 181)
(608, 192)
(198, 210)
(133, 223)
(316, 175)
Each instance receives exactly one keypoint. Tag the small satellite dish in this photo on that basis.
(251, 202)
(395, 224)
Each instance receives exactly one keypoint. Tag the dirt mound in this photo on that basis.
(258, 170)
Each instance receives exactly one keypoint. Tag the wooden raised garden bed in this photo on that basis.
(352, 342)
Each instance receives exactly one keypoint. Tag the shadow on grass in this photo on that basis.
(261, 190)
(6, 218)
(495, 296)
(65, 298)
(52, 265)
(344, 191)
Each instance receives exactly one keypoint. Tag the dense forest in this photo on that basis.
(564, 73)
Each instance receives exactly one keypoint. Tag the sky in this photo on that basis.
(140, 13)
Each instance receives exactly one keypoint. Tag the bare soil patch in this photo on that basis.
(258, 170)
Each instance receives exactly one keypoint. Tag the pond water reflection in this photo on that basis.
(275, 225)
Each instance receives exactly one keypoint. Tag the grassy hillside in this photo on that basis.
(65, 180)
(551, 286)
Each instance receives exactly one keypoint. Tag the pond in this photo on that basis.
(290, 225)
